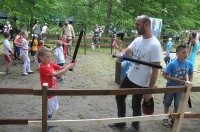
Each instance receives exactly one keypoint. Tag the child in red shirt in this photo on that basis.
(48, 73)
(64, 42)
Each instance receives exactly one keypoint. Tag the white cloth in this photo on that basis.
(52, 105)
(7, 46)
(148, 50)
(59, 53)
(24, 53)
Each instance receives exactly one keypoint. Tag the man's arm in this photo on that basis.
(127, 52)
(153, 79)
(154, 76)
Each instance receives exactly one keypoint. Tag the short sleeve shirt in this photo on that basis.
(148, 50)
(6, 44)
(45, 75)
(177, 69)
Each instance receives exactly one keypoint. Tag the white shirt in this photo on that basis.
(148, 50)
(7, 46)
(24, 43)
(44, 29)
(59, 53)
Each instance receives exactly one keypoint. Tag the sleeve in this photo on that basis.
(7, 43)
(56, 67)
(156, 53)
(73, 34)
(56, 52)
(46, 71)
(132, 45)
(191, 69)
(169, 67)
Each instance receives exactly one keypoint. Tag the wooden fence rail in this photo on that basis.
(90, 92)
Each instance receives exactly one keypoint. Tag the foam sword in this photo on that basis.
(76, 49)
(141, 62)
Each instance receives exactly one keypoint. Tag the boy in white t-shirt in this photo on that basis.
(59, 56)
(7, 51)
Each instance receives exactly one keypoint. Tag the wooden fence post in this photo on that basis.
(120, 45)
(182, 106)
(44, 107)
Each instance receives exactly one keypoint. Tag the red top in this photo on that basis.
(45, 75)
(64, 41)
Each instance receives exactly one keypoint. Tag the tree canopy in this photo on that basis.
(177, 15)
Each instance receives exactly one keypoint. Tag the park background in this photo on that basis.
(93, 70)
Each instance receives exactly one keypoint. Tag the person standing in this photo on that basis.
(96, 37)
(9, 26)
(168, 50)
(44, 31)
(68, 31)
(36, 29)
(17, 47)
(24, 54)
(146, 48)
(7, 52)
(176, 73)
(193, 48)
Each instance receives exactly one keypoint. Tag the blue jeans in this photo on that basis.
(168, 97)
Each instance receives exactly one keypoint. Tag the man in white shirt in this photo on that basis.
(68, 31)
(146, 48)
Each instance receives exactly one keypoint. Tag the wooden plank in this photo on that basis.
(13, 121)
(92, 92)
(100, 121)
(44, 107)
(21, 91)
(196, 89)
(127, 91)
(182, 106)
(186, 115)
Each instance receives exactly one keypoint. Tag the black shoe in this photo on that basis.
(30, 72)
(132, 129)
(117, 125)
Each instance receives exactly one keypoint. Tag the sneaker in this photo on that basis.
(62, 80)
(172, 121)
(30, 72)
(132, 129)
(25, 74)
(117, 125)
(165, 122)
(8, 71)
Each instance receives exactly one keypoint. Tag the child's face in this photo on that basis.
(182, 54)
(25, 35)
(46, 58)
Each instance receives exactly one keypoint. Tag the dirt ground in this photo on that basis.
(93, 71)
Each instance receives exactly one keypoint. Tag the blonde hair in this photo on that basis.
(41, 42)
(23, 33)
(43, 50)
(59, 43)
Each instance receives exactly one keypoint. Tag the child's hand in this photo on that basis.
(179, 81)
(71, 65)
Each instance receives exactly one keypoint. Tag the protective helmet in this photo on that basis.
(148, 107)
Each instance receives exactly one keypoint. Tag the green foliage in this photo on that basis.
(177, 15)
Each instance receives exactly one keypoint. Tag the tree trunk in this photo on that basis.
(109, 12)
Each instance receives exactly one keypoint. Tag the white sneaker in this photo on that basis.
(165, 122)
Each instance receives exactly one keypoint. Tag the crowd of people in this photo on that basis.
(145, 47)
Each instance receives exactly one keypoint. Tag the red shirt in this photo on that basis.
(64, 46)
(45, 75)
